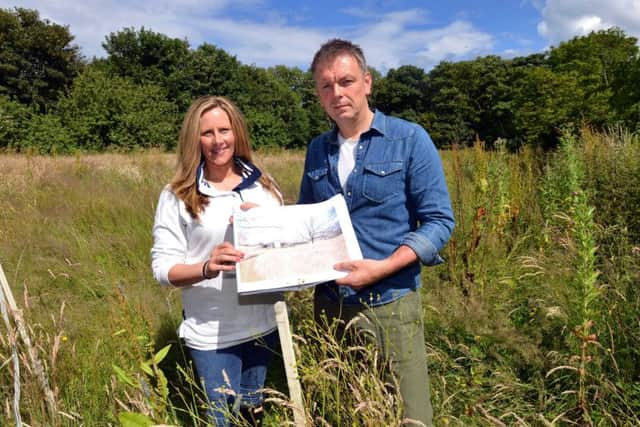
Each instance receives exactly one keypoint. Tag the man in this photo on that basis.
(392, 179)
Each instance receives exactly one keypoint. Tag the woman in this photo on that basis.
(229, 337)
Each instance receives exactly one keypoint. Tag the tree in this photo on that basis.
(146, 57)
(274, 112)
(596, 60)
(107, 112)
(14, 122)
(491, 94)
(301, 83)
(37, 60)
(543, 103)
(626, 94)
(402, 92)
(450, 111)
(208, 71)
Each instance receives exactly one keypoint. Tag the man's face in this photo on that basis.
(342, 88)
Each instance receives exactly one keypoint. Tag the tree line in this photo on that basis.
(53, 100)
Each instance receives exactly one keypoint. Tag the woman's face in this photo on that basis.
(217, 140)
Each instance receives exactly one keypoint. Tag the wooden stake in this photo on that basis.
(289, 358)
(14, 356)
(31, 350)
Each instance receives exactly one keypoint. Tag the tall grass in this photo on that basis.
(532, 321)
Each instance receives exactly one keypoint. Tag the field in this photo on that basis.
(532, 321)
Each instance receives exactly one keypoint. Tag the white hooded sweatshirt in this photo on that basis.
(215, 316)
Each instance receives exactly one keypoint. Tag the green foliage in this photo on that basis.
(151, 386)
(451, 109)
(500, 314)
(615, 185)
(37, 60)
(145, 56)
(132, 419)
(521, 101)
(402, 91)
(626, 94)
(274, 112)
(544, 102)
(568, 213)
(468, 98)
(598, 61)
(103, 112)
(23, 129)
(301, 83)
(208, 71)
(46, 134)
(14, 122)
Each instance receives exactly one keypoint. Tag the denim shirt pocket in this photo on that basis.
(382, 180)
(320, 183)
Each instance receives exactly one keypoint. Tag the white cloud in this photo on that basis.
(397, 39)
(90, 21)
(264, 44)
(389, 40)
(564, 19)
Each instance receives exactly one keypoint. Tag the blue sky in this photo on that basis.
(392, 32)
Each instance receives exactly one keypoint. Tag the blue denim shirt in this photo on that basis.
(396, 195)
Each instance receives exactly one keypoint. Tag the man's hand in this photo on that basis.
(362, 273)
(365, 272)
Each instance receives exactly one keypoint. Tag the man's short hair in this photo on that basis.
(334, 48)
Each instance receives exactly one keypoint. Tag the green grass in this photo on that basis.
(544, 244)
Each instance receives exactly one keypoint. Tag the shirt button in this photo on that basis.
(360, 147)
(349, 193)
(382, 172)
(355, 169)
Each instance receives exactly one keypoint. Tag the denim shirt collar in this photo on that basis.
(248, 171)
(378, 124)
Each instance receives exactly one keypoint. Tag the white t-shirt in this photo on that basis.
(214, 315)
(346, 159)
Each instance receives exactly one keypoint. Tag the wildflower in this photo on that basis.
(481, 212)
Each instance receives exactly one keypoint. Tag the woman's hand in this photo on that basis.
(223, 258)
(248, 205)
(245, 207)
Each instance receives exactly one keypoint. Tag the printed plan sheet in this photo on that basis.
(292, 247)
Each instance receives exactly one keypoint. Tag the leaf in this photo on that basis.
(132, 419)
(122, 376)
(146, 368)
(161, 354)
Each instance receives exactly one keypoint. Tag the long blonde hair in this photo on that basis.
(189, 153)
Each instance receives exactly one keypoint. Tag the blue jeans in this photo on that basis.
(245, 368)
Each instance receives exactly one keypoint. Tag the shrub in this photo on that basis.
(104, 112)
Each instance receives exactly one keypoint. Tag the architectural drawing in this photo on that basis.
(291, 247)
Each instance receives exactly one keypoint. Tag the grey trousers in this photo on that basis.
(397, 330)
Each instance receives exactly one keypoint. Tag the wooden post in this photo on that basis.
(290, 367)
(37, 367)
(16, 360)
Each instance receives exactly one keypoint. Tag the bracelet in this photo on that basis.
(204, 270)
